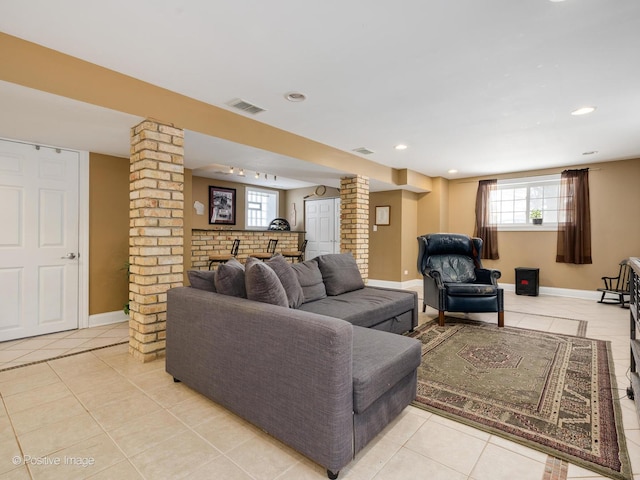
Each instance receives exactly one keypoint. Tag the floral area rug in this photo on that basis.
(551, 392)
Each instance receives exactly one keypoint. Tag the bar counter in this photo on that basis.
(219, 240)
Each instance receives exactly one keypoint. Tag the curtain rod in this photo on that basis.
(527, 176)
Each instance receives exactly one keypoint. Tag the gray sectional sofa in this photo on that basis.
(287, 348)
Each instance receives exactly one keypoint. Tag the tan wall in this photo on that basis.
(433, 208)
(613, 192)
(294, 199)
(385, 244)
(200, 192)
(393, 248)
(409, 233)
(108, 233)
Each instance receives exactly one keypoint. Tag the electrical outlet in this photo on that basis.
(406, 272)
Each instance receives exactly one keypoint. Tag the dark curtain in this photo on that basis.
(484, 228)
(574, 218)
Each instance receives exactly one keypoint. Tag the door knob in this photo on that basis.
(69, 256)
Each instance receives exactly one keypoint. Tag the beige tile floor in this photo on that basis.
(28, 350)
(109, 417)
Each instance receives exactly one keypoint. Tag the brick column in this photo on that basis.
(354, 220)
(156, 234)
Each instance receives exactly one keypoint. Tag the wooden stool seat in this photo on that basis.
(271, 248)
(262, 255)
(225, 257)
(295, 254)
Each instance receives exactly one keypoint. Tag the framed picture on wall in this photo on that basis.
(382, 215)
(222, 205)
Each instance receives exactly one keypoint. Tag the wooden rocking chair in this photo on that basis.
(618, 287)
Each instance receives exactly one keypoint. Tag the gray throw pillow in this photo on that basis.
(202, 279)
(340, 273)
(229, 279)
(310, 280)
(263, 285)
(288, 278)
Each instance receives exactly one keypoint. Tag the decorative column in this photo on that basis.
(156, 234)
(354, 220)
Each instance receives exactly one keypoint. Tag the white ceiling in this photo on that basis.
(480, 87)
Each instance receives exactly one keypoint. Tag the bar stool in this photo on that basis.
(224, 257)
(271, 248)
(296, 254)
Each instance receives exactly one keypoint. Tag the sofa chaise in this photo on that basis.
(322, 384)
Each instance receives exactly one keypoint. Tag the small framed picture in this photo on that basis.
(382, 215)
(222, 205)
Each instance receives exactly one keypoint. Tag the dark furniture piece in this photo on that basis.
(618, 287)
(296, 254)
(271, 248)
(453, 277)
(633, 391)
(225, 257)
(527, 281)
(279, 224)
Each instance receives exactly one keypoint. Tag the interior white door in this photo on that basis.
(39, 240)
(322, 224)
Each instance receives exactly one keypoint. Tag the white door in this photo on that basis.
(39, 240)
(322, 224)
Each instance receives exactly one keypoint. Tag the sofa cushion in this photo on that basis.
(262, 284)
(288, 278)
(453, 268)
(202, 279)
(380, 360)
(310, 280)
(229, 279)
(365, 307)
(340, 273)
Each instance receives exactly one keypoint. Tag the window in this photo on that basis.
(262, 207)
(513, 201)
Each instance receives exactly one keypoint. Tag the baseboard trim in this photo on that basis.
(389, 284)
(107, 318)
(559, 292)
(508, 287)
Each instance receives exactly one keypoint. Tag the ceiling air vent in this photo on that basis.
(363, 151)
(245, 106)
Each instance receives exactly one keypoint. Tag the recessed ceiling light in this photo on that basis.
(583, 111)
(452, 171)
(400, 146)
(295, 97)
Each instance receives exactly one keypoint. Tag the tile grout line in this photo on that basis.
(35, 362)
(555, 469)
(15, 435)
(102, 427)
(162, 407)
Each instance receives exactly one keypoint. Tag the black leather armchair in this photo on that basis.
(453, 277)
